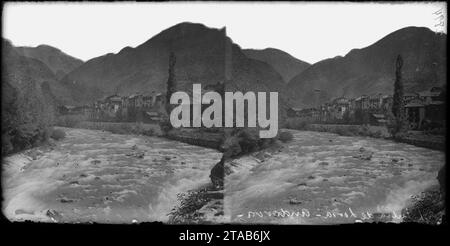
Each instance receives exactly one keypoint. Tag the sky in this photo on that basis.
(308, 31)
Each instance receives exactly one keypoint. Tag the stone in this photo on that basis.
(66, 200)
(54, 215)
(294, 201)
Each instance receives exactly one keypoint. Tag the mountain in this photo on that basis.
(59, 62)
(28, 103)
(22, 70)
(371, 70)
(285, 64)
(203, 55)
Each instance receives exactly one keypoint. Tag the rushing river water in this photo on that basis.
(323, 178)
(102, 177)
(317, 178)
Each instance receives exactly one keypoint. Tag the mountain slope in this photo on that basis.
(285, 64)
(200, 52)
(371, 69)
(59, 62)
(22, 70)
(27, 103)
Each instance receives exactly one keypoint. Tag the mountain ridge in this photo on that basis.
(284, 63)
(59, 62)
(201, 58)
(371, 69)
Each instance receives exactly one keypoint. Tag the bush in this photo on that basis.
(58, 134)
(248, 140)
(69, 120)
(243, 141)
(149, 132)
(296, 124)
(285, 136)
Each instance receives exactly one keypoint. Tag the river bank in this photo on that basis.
(417, 138)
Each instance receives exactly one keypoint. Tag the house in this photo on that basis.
(378, 119)
(340, 106)
(293, 112)
(362, 102)
(409, 96)
(386, 102)
(415, 112)
(375, 102)
(70, 109)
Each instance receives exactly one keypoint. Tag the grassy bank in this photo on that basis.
(340, 129)
(428, 207)
(200, 206)
(417, 138)
(136, 128)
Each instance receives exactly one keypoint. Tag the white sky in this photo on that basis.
(308, 31)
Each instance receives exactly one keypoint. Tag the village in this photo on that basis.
(145, 107)
(424, 110)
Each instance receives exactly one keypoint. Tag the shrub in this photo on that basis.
(58, 134)
(285, 136)
(296, 124)
(248, 140)
(69, 120)
(149, 132)
(242, 141)
(364, 130)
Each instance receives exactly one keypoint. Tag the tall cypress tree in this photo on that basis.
(165, 124)
(398, 105)
(171, 84)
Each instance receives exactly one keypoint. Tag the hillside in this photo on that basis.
(201, 55)
(27, 102)
(371, 70)
(59, 62)
(285, 64)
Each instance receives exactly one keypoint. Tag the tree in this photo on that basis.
(398, 122)
(171, 87)
(171, 84)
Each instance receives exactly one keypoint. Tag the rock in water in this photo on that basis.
(441, 179)
(54, 215)
(217, 174)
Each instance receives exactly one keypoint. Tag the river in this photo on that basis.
(317, 178)
(324, 178)
(97, 176)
